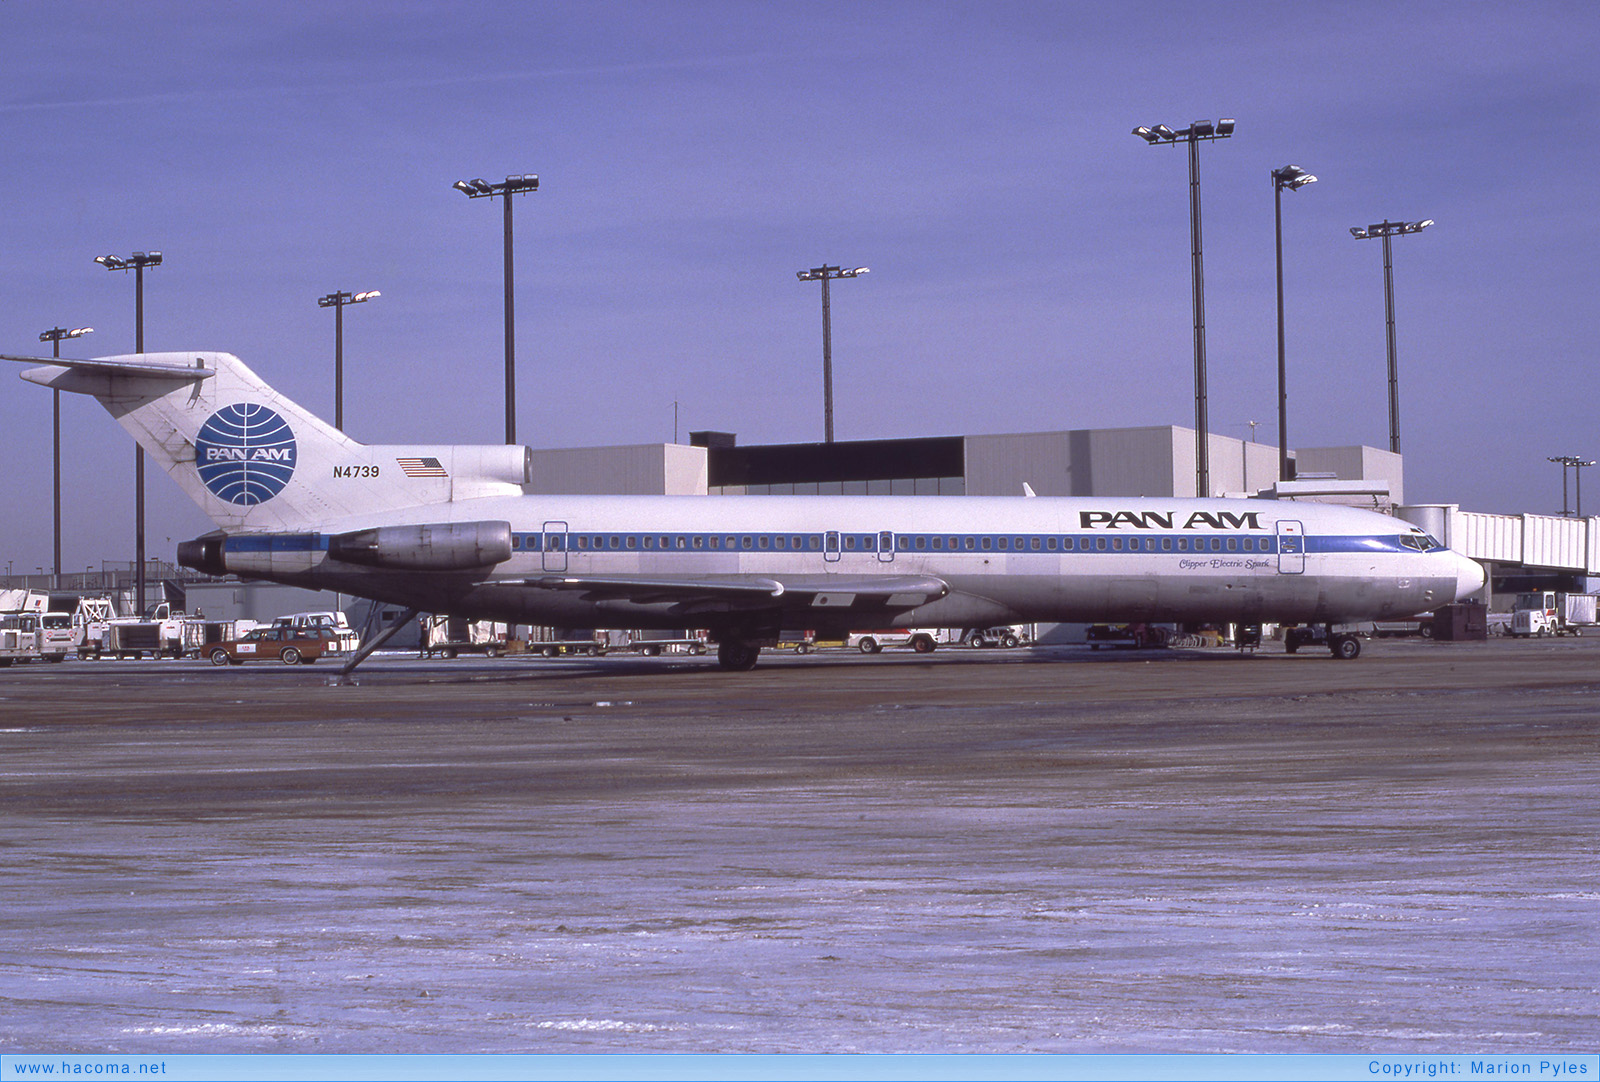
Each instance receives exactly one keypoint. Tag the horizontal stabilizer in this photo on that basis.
(108, 367)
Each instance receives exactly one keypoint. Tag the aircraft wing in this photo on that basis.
(709, 595)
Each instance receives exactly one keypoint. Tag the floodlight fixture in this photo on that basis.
(56, 334)
(1292, 177)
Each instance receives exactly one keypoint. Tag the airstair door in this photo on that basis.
(1291, 547)
(555, 546)
(886, 546)
(830, 547)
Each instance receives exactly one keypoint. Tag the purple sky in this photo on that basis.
(1030, 257)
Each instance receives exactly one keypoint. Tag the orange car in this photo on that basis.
(290, 645)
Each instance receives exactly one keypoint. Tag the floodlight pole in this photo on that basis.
(481, 189)
(1161, 134)
(54, 336)
(137, 263)
(1386, 229)
(1577, 464)
(337, 301)
(1293, 178)
(826, 274)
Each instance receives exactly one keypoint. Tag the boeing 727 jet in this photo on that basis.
(451, 529)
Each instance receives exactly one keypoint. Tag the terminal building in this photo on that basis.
(1153, 461)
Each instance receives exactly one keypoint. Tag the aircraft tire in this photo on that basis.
(736, 655)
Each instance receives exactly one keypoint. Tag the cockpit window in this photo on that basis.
(1420, 541)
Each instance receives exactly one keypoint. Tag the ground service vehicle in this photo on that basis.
(1005, 637)
(924, 640)
(1550, 612)
(456, 529)
(344, 638)
(290, 645)
(21, 637)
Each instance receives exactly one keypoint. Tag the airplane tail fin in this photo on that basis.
(255, 460)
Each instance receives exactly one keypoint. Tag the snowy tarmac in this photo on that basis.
(1046, 851)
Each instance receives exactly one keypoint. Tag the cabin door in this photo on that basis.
(886, 546)
(555, 546)
(1291, 547)
(830, 547)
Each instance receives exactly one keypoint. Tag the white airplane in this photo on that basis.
(448, 529)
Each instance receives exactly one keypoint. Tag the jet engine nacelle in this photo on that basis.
(444, 546)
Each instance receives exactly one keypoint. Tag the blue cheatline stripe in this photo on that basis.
(586, 541)
(918, 544)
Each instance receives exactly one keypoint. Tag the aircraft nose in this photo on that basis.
(1469, 576)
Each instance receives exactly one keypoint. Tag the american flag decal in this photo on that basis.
(421, 467)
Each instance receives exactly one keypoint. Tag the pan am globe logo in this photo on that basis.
(245, 454)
